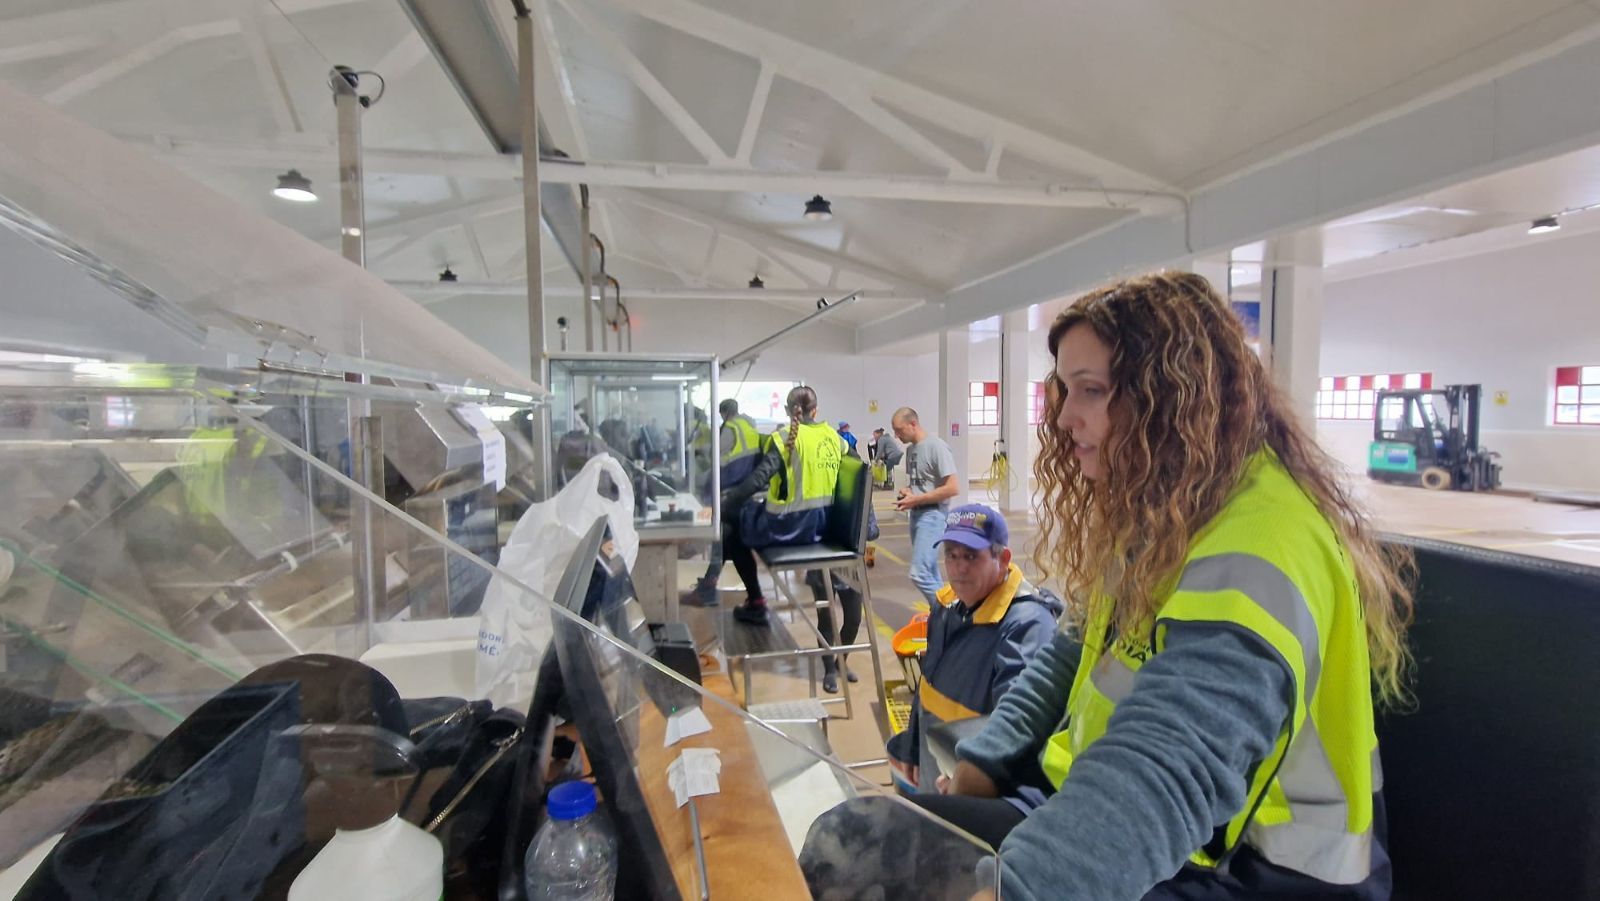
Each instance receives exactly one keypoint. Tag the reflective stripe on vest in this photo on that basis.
(813, 471)
(746, 438)
(1309, 806)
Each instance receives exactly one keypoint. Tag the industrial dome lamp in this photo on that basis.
(293, 186)
(1544, 224)
(818, 209)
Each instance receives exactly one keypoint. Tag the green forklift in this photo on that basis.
(1429, 437)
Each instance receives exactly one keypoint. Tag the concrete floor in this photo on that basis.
(1512, 523)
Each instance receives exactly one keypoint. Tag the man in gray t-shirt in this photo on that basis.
(932, 471)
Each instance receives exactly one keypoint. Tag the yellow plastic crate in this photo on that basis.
(897, 702)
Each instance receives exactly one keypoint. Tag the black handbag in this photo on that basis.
(468, 812)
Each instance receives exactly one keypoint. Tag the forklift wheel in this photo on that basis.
(1435, 479)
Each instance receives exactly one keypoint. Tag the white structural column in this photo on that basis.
(1291, 315)
(1015, 398)
(954, 380)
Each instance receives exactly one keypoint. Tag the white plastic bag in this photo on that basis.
(513, 626)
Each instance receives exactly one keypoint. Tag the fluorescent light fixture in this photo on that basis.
(294, 187)
(519, 398)
(350, 230)
(672, 377)
(1543, 225)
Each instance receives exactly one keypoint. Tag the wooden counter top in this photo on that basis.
(747, 850)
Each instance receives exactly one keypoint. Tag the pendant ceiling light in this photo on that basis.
(293, 186)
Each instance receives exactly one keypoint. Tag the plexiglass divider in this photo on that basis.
(178, 609)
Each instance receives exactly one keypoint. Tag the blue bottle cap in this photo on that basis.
(571, 801)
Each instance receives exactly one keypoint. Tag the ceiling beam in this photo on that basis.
(273, 87)
(405, 55)
(47, 49)
(752, 116)
(678, 272)
(95, 74)
(477, 251)
(838, 77)
(933, 189)
(1481, 127)
(106, 22)
(407, 241)
(420, 225)
(769, 243)
(425, 290)
(554, 56)
(552, 65)
(899, 131)
(647, 83)
(782, 265)
(991, 164)
(711, 251)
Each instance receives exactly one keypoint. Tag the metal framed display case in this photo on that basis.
(174, 543)
(656, 414)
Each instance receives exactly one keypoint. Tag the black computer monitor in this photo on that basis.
(594, 682)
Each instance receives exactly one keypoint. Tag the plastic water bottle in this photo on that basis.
(574, 855)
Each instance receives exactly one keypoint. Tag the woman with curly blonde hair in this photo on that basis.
(1205, 722)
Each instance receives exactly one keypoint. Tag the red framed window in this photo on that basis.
(1035, 402)
(983, 403)
(1353, 396)
(1577, 396)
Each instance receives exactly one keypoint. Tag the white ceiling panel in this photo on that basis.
(1025, 96)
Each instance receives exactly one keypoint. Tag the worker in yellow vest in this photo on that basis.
(1204, 727)
(798, 471)
(740, 449)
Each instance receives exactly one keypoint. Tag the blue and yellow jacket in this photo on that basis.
(973, 655)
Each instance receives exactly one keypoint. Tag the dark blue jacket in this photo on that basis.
(973, 655)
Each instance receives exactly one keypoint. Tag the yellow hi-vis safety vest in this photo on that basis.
(210, 472)
(1271, 564)
(813, 471)
(746, 438)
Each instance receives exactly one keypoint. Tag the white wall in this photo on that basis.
(1504, 320)
(821, 356)
(984, 366)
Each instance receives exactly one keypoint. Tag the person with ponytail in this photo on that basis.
(798, 474)
(1203, 725)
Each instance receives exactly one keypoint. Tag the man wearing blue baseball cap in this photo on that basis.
(850, 439)
(988, 623)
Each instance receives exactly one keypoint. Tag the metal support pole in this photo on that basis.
(366, 431)
(588, 277)
(537, 349)
(682, 398)
(352, 199)
(372, 589)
